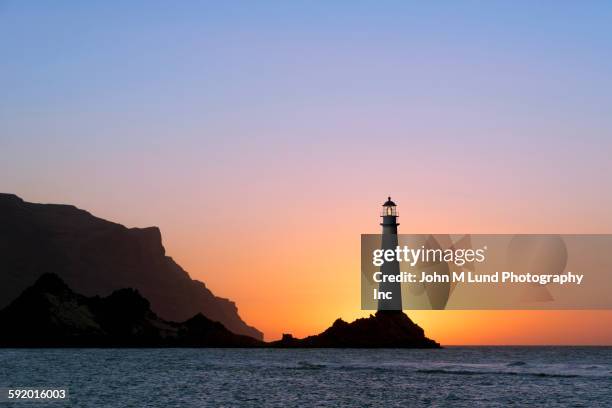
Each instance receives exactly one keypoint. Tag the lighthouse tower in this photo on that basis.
(389, 241)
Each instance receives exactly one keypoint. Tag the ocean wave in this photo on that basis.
(513, 368)
(517, 373)
(305, 365)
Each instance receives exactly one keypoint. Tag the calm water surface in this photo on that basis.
(452, 377)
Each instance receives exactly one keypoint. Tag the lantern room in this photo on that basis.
(389, 209)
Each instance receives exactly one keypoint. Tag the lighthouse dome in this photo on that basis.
(389, 203)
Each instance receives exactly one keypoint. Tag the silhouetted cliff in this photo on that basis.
(385, 329)
(50, 314)
(97, 257)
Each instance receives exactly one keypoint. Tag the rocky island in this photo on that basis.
(385, 329)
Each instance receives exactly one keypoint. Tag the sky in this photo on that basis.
(263, 137)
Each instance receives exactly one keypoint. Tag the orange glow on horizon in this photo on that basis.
(300, 281)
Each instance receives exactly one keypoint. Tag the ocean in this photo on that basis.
(449, 377)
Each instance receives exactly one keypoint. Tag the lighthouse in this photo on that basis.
(389, 241)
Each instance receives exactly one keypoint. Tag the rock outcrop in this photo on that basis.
(97, 257)
(50, 314)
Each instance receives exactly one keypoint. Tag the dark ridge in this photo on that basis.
(50, 314)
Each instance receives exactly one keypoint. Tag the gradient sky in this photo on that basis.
(262, 138)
